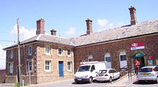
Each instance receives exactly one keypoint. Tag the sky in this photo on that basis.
(67, 17)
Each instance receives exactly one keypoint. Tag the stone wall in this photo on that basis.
(2, 76)
(38, 58)
(11, 79)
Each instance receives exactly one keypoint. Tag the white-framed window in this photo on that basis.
(107, 58)
(47, 65)
(69, 53)
(11, 68)
(30, 50)
(11, 54)
(69, 66)
(29, 63)
(47, 50)
(123, 59)
(60, 51)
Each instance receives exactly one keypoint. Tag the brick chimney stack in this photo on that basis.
(53, 32)
(89, 26)
(133, 15)
(40, 26)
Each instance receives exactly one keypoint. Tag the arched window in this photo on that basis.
(90, 57)
(123, 59)
(107, 58)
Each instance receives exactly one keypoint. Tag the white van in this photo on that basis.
(87, 71)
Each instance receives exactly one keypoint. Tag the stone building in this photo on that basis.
(44, 58)
(48, 57)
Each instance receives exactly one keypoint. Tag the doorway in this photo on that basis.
(141, 60)
(60, 68)
(140, 57)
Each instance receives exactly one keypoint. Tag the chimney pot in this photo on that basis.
(89, 26)
(53, 32)
(133, 15)
(40, 26)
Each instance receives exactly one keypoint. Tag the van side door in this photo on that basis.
(93, 71)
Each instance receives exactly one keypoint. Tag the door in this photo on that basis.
(60, 68)
(93, 72)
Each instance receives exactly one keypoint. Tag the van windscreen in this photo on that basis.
(83, 68)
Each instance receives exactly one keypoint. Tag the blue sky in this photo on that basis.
(67, 17)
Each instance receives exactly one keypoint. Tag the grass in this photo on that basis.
(18, 85)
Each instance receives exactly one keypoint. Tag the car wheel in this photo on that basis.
(140, 82)
(98, 81)
(76, 82)
(90, 80)
(157, 80)
(110, 79)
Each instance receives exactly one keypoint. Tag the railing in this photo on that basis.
(130, 72)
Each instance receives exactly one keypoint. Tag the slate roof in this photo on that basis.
(142, 28)
(46, 38)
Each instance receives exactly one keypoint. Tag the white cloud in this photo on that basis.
(24, 33)
(120, 24)
(71, 31)
(111, 25)
(2, 58)
(102, 22)
(105, 24)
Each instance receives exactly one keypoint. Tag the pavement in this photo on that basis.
(123, 81)
(7, 84)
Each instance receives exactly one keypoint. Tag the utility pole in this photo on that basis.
(19, 53)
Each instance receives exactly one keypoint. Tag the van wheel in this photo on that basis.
(90, 80)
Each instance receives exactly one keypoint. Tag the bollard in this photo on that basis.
(22, 82)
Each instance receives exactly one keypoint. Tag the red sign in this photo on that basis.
(137, 45)
(150, 57)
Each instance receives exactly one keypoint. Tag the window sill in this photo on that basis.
(30, 55)
(68, 55)
(69, 70)
(47, 54)
(47, 70)
(60, 55)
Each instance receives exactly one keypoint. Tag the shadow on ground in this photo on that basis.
(144, 83)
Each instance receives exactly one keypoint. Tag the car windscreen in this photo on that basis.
(102, 71)
(84, 68)
(146, 70)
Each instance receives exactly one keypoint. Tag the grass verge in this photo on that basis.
(18, 85)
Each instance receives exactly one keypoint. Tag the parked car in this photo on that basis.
(148, 73)
(107, 75)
